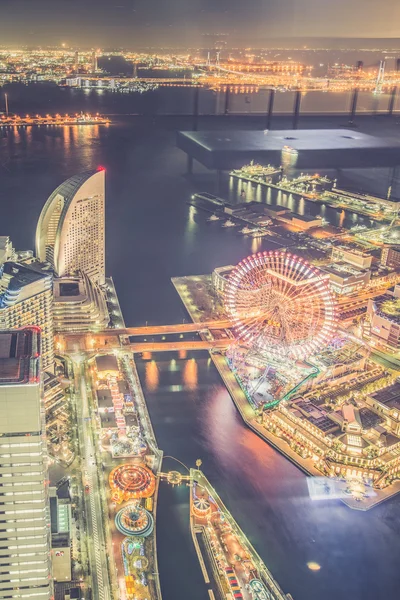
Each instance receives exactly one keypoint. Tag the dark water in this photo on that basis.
(152, 235)
(45, 98)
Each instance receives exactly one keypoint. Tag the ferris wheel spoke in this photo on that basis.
(280, 303)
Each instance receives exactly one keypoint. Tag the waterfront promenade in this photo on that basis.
(219, 541)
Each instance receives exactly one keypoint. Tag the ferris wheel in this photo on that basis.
(280, 305)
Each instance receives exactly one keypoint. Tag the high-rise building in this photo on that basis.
(94, 62)
(24, 515)
(7, 251)
(26, 298)
(70, 232)
(390, 256)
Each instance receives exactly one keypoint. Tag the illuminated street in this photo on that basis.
(99, 558)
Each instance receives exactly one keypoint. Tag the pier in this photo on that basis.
(58, 120)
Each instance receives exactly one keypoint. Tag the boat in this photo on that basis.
(246, 230)
(229, 223)
(13, 120)
(359, 228)
(259, 233)
(213, 218)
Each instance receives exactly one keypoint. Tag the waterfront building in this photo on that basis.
(348, 441)
(70, 233)
(305, 222)
(351, 256)
(386, 402)
(24, 527)
(339, 363)
(26, 298)
(79, 305)
(220, 277)
(390, 256)
(345, 278)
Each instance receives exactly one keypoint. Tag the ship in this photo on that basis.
(13, 120)
(229, 223)
(213, 218)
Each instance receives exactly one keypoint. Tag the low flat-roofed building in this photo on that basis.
(61, 521)
(107, 363)
(387, 403)
(339, 362)
(345, 278)
(353, 257)
(275, 211)
(305, 222)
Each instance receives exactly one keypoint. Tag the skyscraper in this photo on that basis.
(70, 232)
(24, 521)
(26, 298)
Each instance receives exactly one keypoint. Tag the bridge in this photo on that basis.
(109, 339)
(167, 329)
(178, 345)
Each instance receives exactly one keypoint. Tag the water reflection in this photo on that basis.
(190, 375)
(314, 549)
(152, 375)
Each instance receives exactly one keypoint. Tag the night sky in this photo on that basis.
(153, 22)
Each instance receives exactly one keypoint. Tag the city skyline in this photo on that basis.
(200, 345)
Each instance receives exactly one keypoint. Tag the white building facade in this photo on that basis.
(24, 516)
(70, 234)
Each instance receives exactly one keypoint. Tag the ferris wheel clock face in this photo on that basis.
(281, 305)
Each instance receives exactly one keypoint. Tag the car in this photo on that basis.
(87, 488)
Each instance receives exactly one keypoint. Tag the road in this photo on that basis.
(165, 329)
(179, 345)
(94, 521)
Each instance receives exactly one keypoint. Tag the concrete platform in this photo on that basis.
(317, 148)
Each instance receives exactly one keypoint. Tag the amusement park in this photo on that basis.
(298, 377)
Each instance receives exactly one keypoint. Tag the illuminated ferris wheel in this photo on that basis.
(280, 305)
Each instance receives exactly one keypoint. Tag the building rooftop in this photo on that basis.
(390, 396)
(22, 274)
(19, 356)
(343, 270)
(387, 306)
(106, 362)
(346, 355)
(305, 218)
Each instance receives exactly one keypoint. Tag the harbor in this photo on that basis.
(316, 188)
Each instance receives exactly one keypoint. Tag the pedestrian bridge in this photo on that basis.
(167, 329)
(178, 345)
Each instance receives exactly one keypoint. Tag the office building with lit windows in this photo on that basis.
(70, 233)
(26, 298)
(24, 515)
